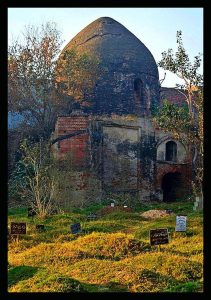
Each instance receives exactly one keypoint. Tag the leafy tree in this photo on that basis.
(77, 75)
(32, 181)
(35, 88)
(31, 76)
(185, 122)
(179, 64)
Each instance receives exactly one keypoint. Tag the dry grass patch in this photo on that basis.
(175, 266)
(111, 246)
(185, 245)
(99, 245)
(45, 254)
(150, 272)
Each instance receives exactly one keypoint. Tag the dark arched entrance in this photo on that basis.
(172, 187)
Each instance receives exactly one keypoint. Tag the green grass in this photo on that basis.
(20, 273)
(189, 287)
(111, 254)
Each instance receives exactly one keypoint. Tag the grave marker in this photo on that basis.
(31, 212)
(75, 228)
(159, 236)
(18, 228)
(91, 217)
(181, 223)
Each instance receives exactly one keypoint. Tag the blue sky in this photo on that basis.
(155, 27)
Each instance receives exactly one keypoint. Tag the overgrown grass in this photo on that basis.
(111, 254)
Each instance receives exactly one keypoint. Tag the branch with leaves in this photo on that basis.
(31, 75)
(77, 74)
(33, 179)
(185, 123)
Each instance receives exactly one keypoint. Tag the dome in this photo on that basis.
(130, 67)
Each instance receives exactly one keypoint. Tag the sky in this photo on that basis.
(155, 27)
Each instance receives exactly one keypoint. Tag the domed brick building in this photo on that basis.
(130, 69)
(114, 143)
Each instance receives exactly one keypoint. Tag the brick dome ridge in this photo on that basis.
(114, 43)
(129, 81)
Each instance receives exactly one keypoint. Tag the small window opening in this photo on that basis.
(138, 85)
(171, 151)
(138, 93)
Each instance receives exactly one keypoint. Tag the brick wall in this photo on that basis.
(164, 168)
(76, 145)
(174, 96)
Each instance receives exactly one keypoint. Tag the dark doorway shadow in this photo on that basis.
(172, 186)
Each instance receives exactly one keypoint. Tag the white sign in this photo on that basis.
(112, 204)
(181, 223)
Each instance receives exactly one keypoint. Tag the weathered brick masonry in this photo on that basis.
(125, 153)
(77, 145)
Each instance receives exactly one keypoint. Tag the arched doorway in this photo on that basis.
(172, 186)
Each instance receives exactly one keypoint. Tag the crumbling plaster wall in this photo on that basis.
(149, 156)
(126, 154)
(120, 161)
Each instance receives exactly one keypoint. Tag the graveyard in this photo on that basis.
(104, 248)
(105, 164)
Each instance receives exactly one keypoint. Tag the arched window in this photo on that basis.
(138, 95)
(171, 151)
(138, 87)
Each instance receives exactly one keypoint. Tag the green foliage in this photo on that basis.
(119, 210)
(179, 63)
(91, 208)
(31, 77)
(181, 119)
(17, 212)
(176, 120)
(122, 215)
(17, 179)
(177, 207)
(106, 226)
(77, 74)
(32, 181)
